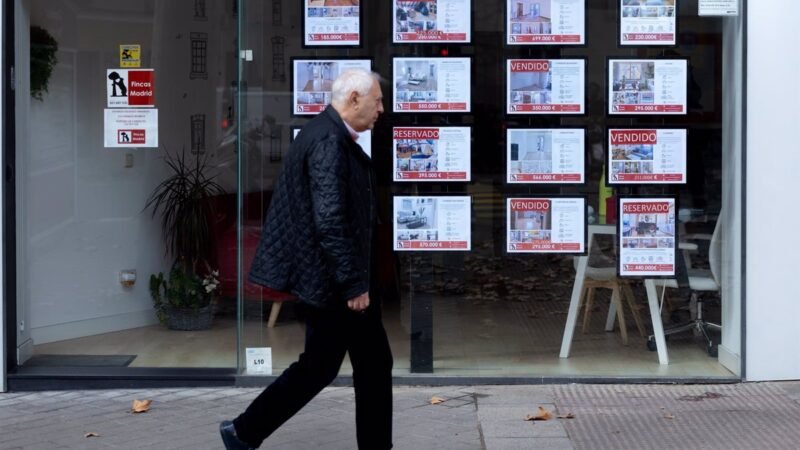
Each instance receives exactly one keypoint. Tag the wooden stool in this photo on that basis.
(619, 289)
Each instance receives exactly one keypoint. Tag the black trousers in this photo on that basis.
(329, 334)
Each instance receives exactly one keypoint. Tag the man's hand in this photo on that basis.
(359, 303)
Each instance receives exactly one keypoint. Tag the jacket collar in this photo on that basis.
(337, 119)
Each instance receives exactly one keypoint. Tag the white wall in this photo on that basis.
(773, 164)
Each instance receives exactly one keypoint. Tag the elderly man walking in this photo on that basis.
(318, 242)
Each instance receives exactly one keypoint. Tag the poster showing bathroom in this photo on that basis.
(545, 225)
(545, 155)
(313, 79)
(545, 22)
(545, 86)
(431, 153)
(432, 21)
(364, 140)
(647, 156)
(431, 84)
(432, 223)
(647, 86)
(332, 22)
(647, 237)
(647, 22)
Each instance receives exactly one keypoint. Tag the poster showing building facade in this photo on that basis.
(546, 225)
(647, 86)
(332, 23)
(446, 21)
(545, 86)
(647, 236)
(312, 80)
(653, 156)
(431, 153)
(648, 22)
(545, 22)
(545, 156)
(432, 223)
(431, 85)
(364, 139)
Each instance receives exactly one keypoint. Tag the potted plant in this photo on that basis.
(184, 201)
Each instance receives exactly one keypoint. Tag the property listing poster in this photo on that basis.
(647, 241)
(650, 156)
(545, 22)
(431, 153)
(432, 84)
(545, 155)
(364, 139)
(432, 21)
(546, 225)
(332, 22)
(647, 86)
(647, 22)
(432, 223)
(312, 80)
(545, 86)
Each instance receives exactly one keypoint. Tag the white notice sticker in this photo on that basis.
(259, 360)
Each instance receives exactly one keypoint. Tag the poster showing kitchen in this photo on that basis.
(312, 80)
(364, 140)
(647, 237)
(545, 156)
(647, 86)
(652, 156)
(432, 223)
(130, 88)
(545, 22)
(129, 128)
(446, 21)
(647, 22)
(431, 153)
(431, 85)
(332, 22)
(545, 86)
(545, 225)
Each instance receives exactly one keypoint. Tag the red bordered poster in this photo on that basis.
(432, 223)
(546, 225)
(431, 153)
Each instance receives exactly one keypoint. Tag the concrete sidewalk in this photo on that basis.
(731, 416)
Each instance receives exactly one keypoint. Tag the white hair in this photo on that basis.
(352, 80)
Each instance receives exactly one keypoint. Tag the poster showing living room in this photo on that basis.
(647, 22)
(647, 86)
(652, 156)
(312, 80)
(545, 225)
(542, 86)
(647, 237)
(431, 153)
(545, 156)
(445, 21)
(432, 223)
(332, 22)
(431, 84)
(545, 22)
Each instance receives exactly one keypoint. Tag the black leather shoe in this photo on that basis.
(229, 438)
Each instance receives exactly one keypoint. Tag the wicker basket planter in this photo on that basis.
(189, 319)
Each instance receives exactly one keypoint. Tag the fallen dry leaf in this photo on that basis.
(436, 400)
(543, 414)
(140, 406)
(91, 434)
(669, 416)
(565, 416)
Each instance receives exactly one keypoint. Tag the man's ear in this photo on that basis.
(353, 98)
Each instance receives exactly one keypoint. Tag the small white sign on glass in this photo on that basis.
(259, 360)
(718, 8)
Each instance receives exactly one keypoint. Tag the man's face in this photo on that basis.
(368, 108)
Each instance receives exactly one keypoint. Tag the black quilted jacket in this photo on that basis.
(317, 235)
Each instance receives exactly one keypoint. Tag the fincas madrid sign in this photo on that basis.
(130, 88)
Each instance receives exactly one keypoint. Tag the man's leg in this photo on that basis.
(372, 362)
(316, 368)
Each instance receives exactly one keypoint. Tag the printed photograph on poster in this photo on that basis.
(431, 153)
(312, 80)
(446, 21)
(129, 128)
(647, 237)
(647, 22)
(545, 86)
(545, 22)
(332, 23)
(647, 86)
(130, 88)
(431, 85)
(432, 223)
(652, 156)
(545, 155)
(364, 139)
(546, 225)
